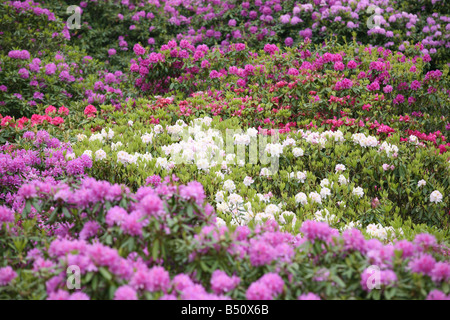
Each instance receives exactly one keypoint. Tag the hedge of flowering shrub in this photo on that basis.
(38, 155)
(161, 243)
(335, 81)
(31, 82)
(331, 164)
(29, 26)
(40, 67)
(116, 26)
(225, 150)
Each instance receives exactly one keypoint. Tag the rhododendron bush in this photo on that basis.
(221, 150)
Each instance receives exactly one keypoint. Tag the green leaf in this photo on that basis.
(105, 273)
(155, 250)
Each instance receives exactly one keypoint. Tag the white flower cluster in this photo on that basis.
(103, 135)
(126, 158)
(358, 191)
(88, 153)
(317, 138)
(378, 231)
(325, 216)
(271, 212)
(298, 152)
(274, 149)
(352, 225)
(390, 149)
(233, 204)
(413, 140)
(198, 146)
(314, 196)
(115, 146)
(248, 181)
(364, 141)
(436, 197)
(245, 138)
(70, 156)
(299, 175)
(147, 138)
(289, 142)
(100, 155)
(81, 137)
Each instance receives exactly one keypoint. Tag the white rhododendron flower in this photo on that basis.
(126, 158)
(96, 137)
(122, 157)
(315, 197)
(174, 129)
(220, 222)
(274, 149)
(436, 197)
(263, 216)
(224, 165)
(219, 196)
(235, 199)
(100, 155)
(289, 142)
(230, 158)
(390, 149)
(340, 168)
(162, 162)
(272, 209)
(146, 157)
(301, 198)
(207, 121)
(114, 146)
(378, 231)
(70, 156)
(342, 179)
(352, 225)
(248, 181)
(263, 197)
(325, 192)
(81, 137)
(374, 230)
(358, 191)
(158, 128)
(147, 138)
(265, 172)
(202, 164)
(284, 216)
(242, 139)
(88, 153)
(421, 183)
(413, 139)
(299, 175)
(363, 141)
(222, 207)
(324, 182)
(298, 152)
(107, 135)
(252, 132)
(325, 216)
(229, 185)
